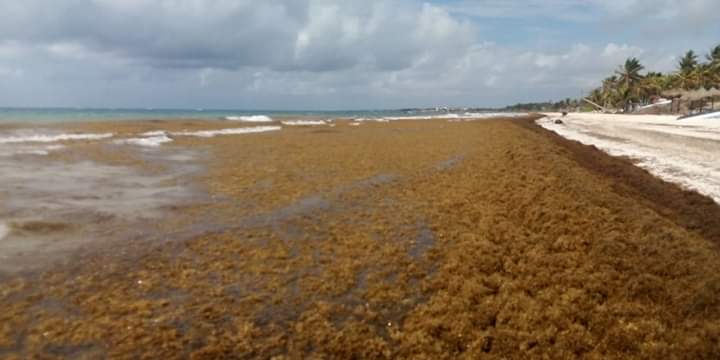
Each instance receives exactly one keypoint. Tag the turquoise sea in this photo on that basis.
(59, 115)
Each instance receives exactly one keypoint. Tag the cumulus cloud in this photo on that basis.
(162, 33)
(313, 53)
(317, 35)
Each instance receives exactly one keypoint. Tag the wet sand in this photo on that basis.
(427, 239)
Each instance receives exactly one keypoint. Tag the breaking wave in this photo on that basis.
(304, 123)
(451, 117)
(150, 139)
(235, 131)
(251, 118)
(44, 138)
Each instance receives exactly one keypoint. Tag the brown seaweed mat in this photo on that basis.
(432, 240)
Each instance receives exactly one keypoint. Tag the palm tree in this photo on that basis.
(712, 73)
(610, 83)
(629, 73)
(596, 96)
(714, 56)
(609, 90)
(705, 75)
(628, 84)
(686, 80)
(629, 76)
(688, 62)
(652, 85)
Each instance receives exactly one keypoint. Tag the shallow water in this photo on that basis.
(51, 207)
(64, 115)
(55, 199)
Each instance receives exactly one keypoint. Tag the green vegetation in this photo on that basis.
(628, 85)
(561, 105)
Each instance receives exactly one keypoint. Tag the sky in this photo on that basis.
(333, 55)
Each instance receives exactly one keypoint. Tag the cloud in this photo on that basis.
(324, 53)
(384, 35)
(317, 35)
(570, 10)
(162, 33)
(696, 12)
(615, 51)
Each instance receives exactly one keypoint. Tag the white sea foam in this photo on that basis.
(483, 116)
(421, 117)
(159, 137)
(468, 116)
(154, 133)
(45, 138)
(304, 123)
(251, 118)
(354, 124)
(41, 150)
(668, 148)
(147, 139)
(4, 230)
(235, 131)
(150, 141)
(25, 149)
(383, 120)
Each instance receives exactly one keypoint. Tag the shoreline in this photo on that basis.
(681, 151)
(690, 209)
(51, 117)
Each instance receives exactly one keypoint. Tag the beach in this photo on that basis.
(301, 237)
(680, 151)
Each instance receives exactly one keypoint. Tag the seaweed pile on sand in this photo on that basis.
(402, 240)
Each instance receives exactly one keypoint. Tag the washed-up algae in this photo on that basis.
(404, 240)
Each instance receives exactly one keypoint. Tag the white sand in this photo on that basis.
(685, 152)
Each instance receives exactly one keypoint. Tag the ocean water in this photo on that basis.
(62, 115)
(31, 133)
